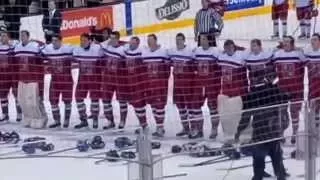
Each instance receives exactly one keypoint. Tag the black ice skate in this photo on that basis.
(5, 118)
(111, 125)
(66, 123)
(159, 132)
(83, 124)
(214, 134)
(195, 134)
(95, 122)
(182, 133)
(275, 37)
(55, 125)
(293, 140)
(121, 125)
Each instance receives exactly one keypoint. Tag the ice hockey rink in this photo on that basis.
(84, 169)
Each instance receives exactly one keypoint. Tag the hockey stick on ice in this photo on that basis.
(245, 166)
(202, 163)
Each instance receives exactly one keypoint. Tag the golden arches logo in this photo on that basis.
(105, 19)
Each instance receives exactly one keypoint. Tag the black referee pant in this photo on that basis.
(273, 149)
(212, 40)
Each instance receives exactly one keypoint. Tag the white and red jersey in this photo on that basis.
(303, 3)
(115, 52)
(6, 49)
(262, 58)
(313, 64)
(91, 53)
(280, 2)
(157, 62)
(58, 58)
(288, 62)
(290, 71)
(133, 59)
(158, 55)
(210, 54)
(57, 53)
(132, 53)
(88, 57)
(233, 73)
(313, 60)
(30, 49)
(181, 59)
(181, 55)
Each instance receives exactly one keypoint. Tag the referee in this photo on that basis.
(208, 21)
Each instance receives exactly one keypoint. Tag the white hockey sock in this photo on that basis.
(275, 27)
(284, 27)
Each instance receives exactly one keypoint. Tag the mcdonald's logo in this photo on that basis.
(105, 20)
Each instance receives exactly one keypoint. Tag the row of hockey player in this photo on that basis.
(212, 72)
(305, 11)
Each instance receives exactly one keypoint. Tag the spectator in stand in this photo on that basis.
(93, 3)
(207, 21)
(51, 21)
(13, 11)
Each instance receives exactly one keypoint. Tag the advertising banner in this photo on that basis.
(76, 22)
(233, 5)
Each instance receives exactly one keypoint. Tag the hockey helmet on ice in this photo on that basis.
(97, 139)
(128, 155)
(155, 145)
(176, 149)
(47, 147)
(112, 154)
(122, 142)
(28, 149)
(97, 145)
(83, 146)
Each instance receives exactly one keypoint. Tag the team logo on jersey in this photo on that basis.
(172, 9)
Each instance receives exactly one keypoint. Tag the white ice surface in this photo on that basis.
(84, 169)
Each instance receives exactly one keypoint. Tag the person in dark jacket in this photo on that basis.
(51, 22)
(268, 123)
(13, 11)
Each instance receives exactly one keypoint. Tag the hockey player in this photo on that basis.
(279, 12)
(27, 63)
(289, 65)
(6, 76)
(182, 57)
(267, 124)
(304, 10)
(206, 84)
(137, 79)
(115, 79)
(59, 66)
(87, 57)
(312, 55)
(233, 72)
(257, 60)
(155, 58)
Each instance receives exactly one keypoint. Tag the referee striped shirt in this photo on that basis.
(206, 21)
